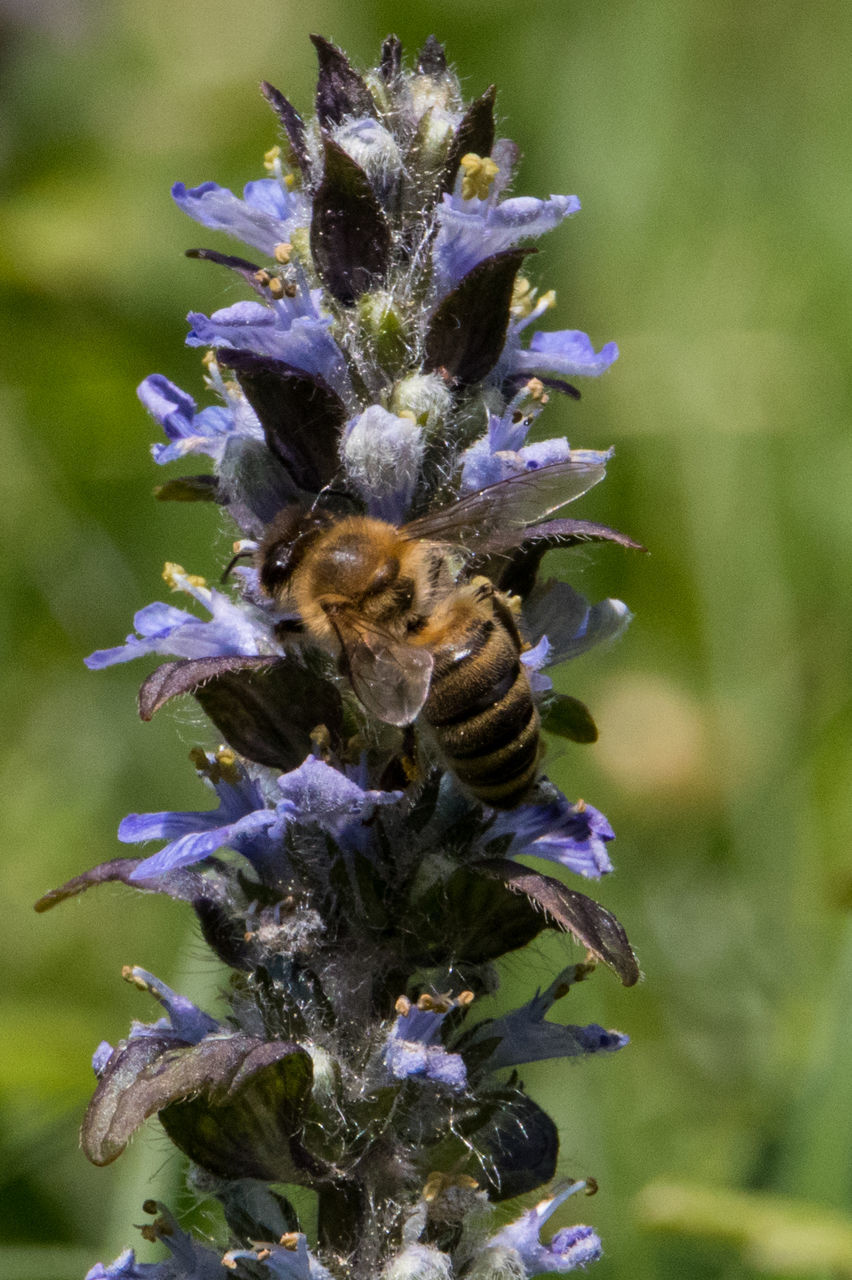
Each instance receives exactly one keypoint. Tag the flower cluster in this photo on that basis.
(376, 673)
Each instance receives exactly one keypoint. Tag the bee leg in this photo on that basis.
(289, 627)
(408, 754)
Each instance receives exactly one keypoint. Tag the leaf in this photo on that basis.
(256, 1212)
(472, 916)
(118, 1108)
(184, 675)
(203, 488)
(475, 134)
(467, 331)
(391, 59)
(184, 885)
(432, 59)
(341, 91)
(350, 237)
(264, 706)
(301, 416)
(224, 933)
(522, 1147)
(567, 533)
(568, 717)
(240, 1124)
(572, 912)
(230, 1102)
(292, 124)
(268, 714)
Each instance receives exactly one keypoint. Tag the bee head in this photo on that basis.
(287, 539)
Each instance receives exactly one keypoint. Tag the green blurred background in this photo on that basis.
(710, 146)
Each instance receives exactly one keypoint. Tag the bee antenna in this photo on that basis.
(245, 553)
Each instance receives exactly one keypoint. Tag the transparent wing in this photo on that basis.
(476, 520)
(390, 678)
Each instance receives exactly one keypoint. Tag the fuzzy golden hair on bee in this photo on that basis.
(417, 641)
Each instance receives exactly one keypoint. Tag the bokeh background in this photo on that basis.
(710, 146)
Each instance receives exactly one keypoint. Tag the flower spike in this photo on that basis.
(375, 672)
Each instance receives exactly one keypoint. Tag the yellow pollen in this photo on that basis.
(321, 741)
(535, 390)
(465, 999)
(209, 359)
(270, 157)
(435, 1004)
(129, 975)
(478, 174)
(223, 767)
(409, 768)
(408, 413)
(580, 806)
(276, 287)
(289, 181)
(548, 300)
(283, 252)
(521, 289)
(233, 388)
(403, 1006)
(438, 1182)
(173, 572)
(290, 1240)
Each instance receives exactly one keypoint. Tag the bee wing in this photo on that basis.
(515, 503)
(390, 678)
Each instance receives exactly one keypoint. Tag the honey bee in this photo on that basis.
(416, 640)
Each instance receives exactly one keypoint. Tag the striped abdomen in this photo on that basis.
(480, 706)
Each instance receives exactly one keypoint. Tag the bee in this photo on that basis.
(416, 639)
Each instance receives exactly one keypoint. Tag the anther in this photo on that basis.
(479, 173)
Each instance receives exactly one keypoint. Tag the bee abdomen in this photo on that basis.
(482, 712)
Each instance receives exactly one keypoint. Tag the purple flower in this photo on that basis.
(524, 1036)
(241, 822)
(291, 330)
(161, 628)
(474, 229)
(126, 1267)
(570, 1247)
(574, 835)
(570, 623)
(407, 377)
(188, 1261)
(184, 1020)
(414, 1046)
(289, 1260)
(563, 353)
(483, 465)
(266, 216)
(318, 794)
(206, 432)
